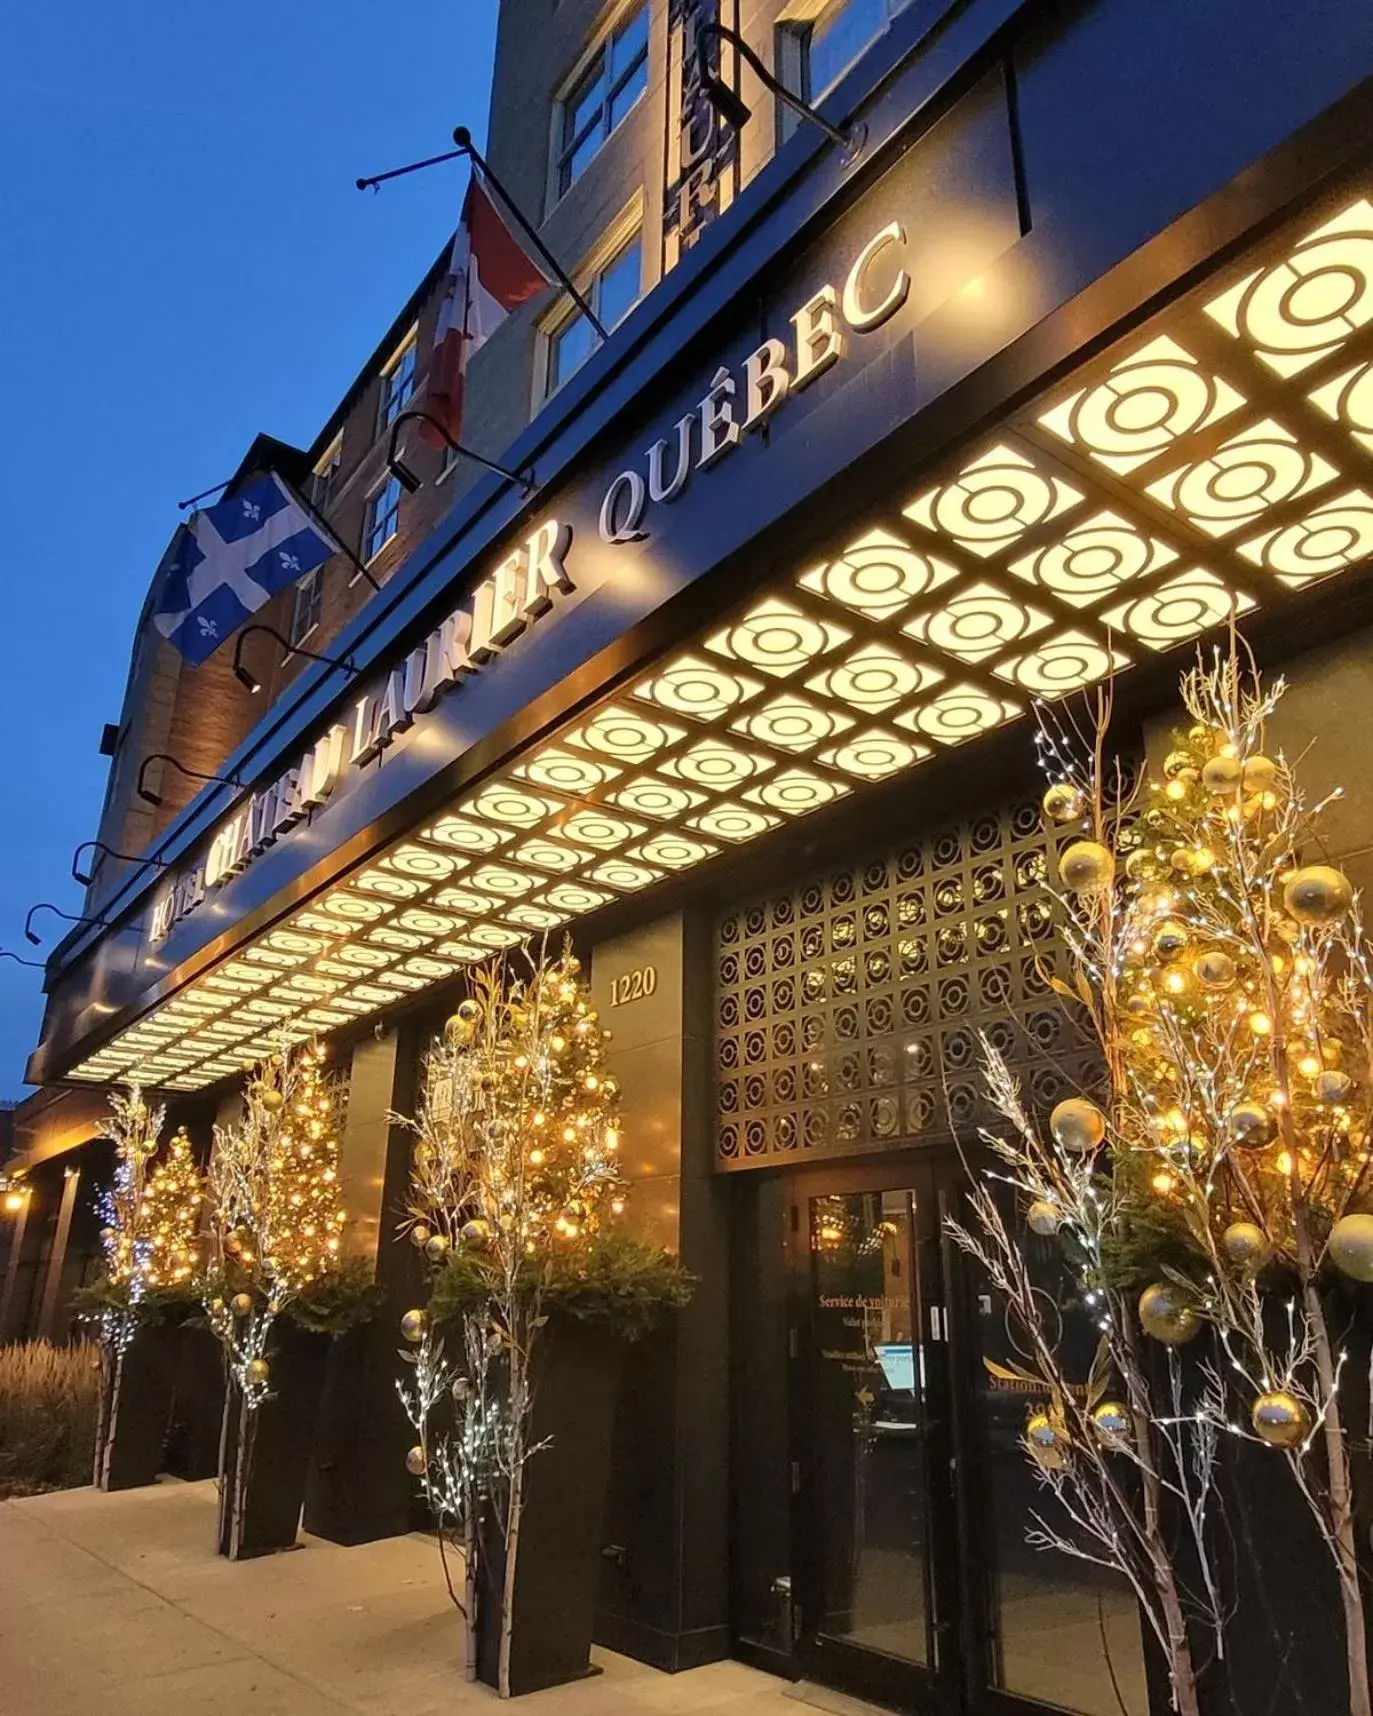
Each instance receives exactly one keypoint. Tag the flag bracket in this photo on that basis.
(407, 479)
(348, 554)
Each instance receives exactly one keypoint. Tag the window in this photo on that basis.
(379, 526)
(612, 292)
(398, 382)
(326, 475)
(309, 601)
(815, 55)
(602, 96)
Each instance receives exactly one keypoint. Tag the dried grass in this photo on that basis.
(49, 1398)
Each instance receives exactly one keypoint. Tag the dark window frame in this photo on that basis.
(601, 121)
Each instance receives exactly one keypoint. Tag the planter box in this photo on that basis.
(135, 1404)
(265, 1455)
(560, 1542)
(197, 1406)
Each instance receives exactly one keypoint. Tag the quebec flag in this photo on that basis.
(225, 562)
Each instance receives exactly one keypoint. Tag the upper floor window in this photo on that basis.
(382, 518)
(612, 291)
(814, 55)
(326, 475)
(614, 80)
(308, 605)
(398, 382)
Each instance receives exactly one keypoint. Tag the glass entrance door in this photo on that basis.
(870, 1432)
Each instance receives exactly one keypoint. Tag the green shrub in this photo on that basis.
(49, 1400)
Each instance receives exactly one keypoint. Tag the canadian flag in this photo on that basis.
(489, 275)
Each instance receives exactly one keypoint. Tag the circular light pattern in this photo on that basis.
(777, 638)
(655, 798)
(874, 678)
(1179, 609)
(717, 765)
(494, 935)
(620, 873)
(874, 755)
(288, 941)
(387, 886)
(1142, 406)
(993, 501)
(600, 830)
(353, 907)
(1297, 310)
(1242, 479)
(960, 713)
(508, 884)
(426, 923)
(1327, 540)
(534, 917)
(357, 954)
(626, 734)
(548, 855)
(795, 791)
(464, 900)
(566, 773)
(261, 956)
(674, 851)
(1348, 400)
(416, 861)
(574, 897)
(1064, 664)
(733, 822)
(878, 575)
(386, 935)
(792, 724)
(510, 804)
(371, 993)
(977, 623)
(1093, 560)
(467, 836)
(695, 688)
(428, 968)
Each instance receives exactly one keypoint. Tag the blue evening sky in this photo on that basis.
(185, 262)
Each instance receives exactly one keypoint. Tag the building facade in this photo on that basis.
(1058, 359)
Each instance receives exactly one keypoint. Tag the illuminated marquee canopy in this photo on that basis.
(1218, 460)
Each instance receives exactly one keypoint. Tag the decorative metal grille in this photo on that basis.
(849, 1007)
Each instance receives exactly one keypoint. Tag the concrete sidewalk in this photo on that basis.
(116, 1604)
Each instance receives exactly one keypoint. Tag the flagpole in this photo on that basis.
(463, 138)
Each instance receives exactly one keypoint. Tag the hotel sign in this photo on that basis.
(520, 590)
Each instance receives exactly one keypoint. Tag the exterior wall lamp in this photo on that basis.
(31, 935)
(34, 964)
(249, 680)
(86, 877)
(410, 482)
(735, 111)
(146, 793)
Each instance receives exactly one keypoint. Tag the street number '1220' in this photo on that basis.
(634, 985)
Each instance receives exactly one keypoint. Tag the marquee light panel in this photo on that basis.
(1216, 462)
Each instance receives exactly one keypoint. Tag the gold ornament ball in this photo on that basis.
(257, 1370)
(1077, 1124)
(476, 1233)
(1251, 1126)
(436, 1247)
(1215, 969)
(1175, 762)
(1245, 1244)
(1165, 1315)
(1280, 1419)
(1332, 1085)
(1220, 775)
(420, 1235)
(273, 1101)
(1086, 867)
(1111, 1420)
(1169, 938)
(1141, 865)
(415, 1463)
(1177, 983)
(1259, 774)
(1062, 802)
(414, 1324)
(1046, 1441)
(1317, 894)
(1043, 1218)
(469, 1011)
(1351, 1246)
(458, 1030)
(241, 1304)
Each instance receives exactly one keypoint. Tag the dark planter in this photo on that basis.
(265, 1455)
(197, 1406)
(135, 1403)
(558, 1561)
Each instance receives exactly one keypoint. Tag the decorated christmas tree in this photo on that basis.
(276, 1209)
(173, 1201)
